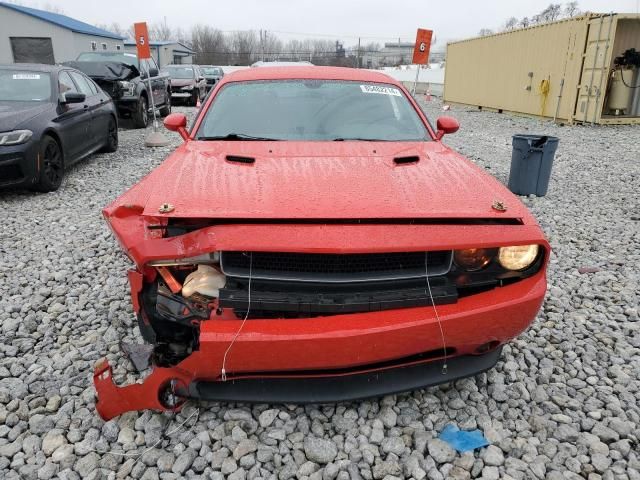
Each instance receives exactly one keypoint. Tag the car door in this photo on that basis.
(96, 125)
(103, 110)
(157, 82)
(74, 120)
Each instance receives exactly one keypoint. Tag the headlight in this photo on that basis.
(518, 257)
(473, 259)
(16, 137)
(188, 87)
(205, 258)
(127, 87)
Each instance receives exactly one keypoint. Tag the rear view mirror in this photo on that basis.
(153, 72)
(177, 122)
(446, 125)
(72, 97)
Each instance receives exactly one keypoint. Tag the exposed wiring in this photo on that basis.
(165, 434)
(223, 372)
(435, 310)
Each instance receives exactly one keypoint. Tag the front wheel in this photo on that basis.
(51, 165)
(141, 114)
(111, 144)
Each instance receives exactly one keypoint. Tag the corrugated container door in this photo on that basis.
(595, 68)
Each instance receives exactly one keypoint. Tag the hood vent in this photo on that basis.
(240, 159)
(406, 160)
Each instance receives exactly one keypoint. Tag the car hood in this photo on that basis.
(321, 180)
(15, 114)
(182, 82)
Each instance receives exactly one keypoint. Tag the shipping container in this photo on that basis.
(570, 70)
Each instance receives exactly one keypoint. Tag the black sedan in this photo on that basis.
(50, 118)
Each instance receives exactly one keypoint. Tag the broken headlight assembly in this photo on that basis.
(126, 87)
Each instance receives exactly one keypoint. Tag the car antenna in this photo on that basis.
(435, 310)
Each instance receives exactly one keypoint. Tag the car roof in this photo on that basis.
(310, 73)
(33, 67)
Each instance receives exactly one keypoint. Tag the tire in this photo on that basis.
(166, 108)
(51, 165)
(141, 115)
(111, 144)
(194, 99)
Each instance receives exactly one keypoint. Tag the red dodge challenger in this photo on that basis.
(313, 240)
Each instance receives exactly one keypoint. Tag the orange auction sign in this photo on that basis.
(142, 39)
(423, 44)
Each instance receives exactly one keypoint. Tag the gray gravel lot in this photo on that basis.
(563, 403)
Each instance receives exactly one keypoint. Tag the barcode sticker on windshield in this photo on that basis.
(382, 90)
(26, 76)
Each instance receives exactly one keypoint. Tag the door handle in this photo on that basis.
(86, 106)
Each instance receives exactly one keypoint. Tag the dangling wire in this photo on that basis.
(435, 310)
(223, 373)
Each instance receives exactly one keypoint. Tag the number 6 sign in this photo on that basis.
(142, 44)
(423, 44)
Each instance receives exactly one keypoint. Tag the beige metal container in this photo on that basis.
(557, 70)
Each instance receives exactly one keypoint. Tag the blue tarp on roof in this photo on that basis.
(62, 21)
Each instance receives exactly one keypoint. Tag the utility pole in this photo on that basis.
(358, 55)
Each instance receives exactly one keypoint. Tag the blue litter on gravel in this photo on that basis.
(461, 440)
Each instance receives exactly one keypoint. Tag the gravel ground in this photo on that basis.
(562, 404)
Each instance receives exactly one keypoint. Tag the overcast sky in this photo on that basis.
(347, 19)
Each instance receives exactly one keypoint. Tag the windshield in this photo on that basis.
(212, 70)
(179, 72)
(312, 110)
(128, 58)
(24, 86)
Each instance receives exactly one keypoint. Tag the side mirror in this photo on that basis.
(153, 72)
(72, 97)
(446, 125)
(177, 122)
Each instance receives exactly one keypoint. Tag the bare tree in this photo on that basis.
(484, 32)
(113, 28)
(551, 13)
(524, 22)
(243, 47)
(210, 45)
(571, 9)
(511, 23)
(160, 31)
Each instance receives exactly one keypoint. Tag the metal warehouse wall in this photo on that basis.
(505, 71)
(15, 24)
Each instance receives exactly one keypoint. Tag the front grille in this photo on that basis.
(312, 267)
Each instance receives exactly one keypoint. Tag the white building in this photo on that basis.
(165, 53)
(29, 35)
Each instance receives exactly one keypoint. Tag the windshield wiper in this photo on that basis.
(239, 136)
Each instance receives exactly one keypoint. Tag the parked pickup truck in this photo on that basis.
(126, 79)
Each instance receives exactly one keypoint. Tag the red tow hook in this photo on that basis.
(156, 392)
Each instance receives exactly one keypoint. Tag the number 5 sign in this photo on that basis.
(142, 40)
(423, 44)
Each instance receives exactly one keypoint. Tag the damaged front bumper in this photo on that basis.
(333, 358)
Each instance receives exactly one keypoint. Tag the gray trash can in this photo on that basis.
(531, 163)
